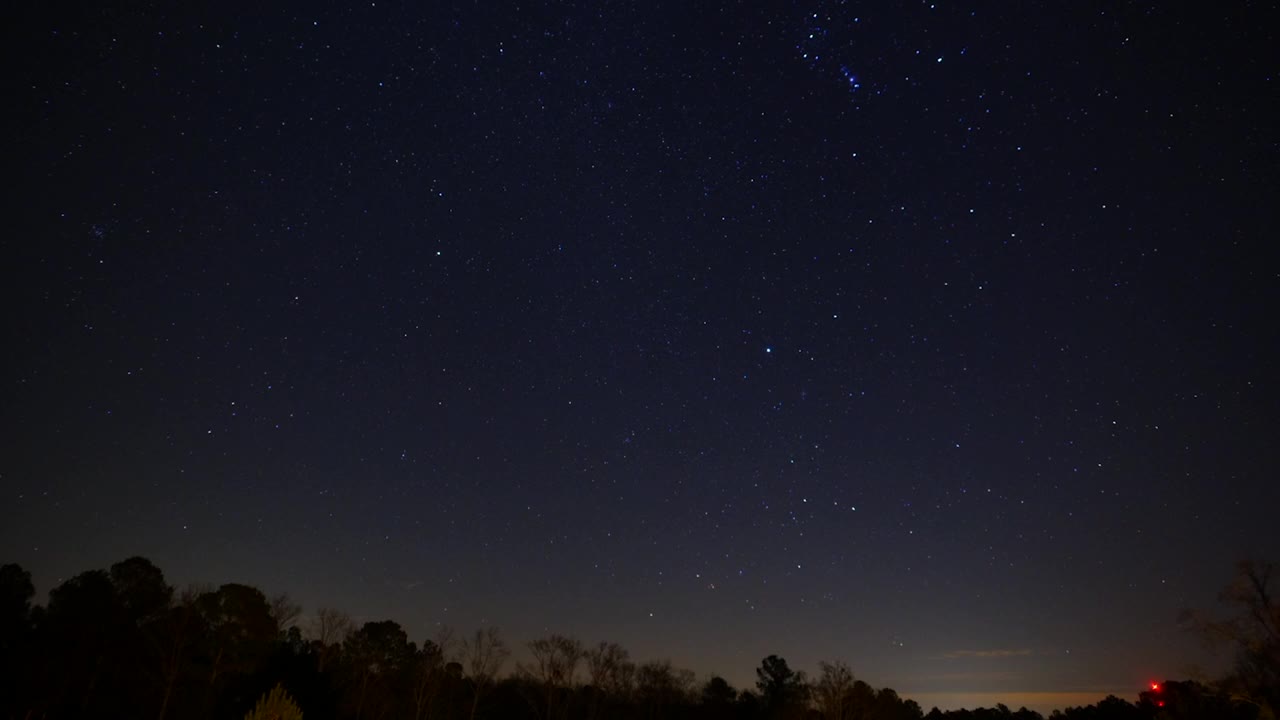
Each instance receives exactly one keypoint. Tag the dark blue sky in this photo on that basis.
(935, 337)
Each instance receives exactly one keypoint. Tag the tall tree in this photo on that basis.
(659, 686)
(718, 698)
(861, 702)
(145, 599)
(328, 630)
(484, 654)
(378, 657)
(889, 706)
(428, 677)
(285, 611)
(84, 627)
(16, 592)
(832, 690)
(555, 660)
(142, 589)
(175, 634)
(239, 637)
(1252, 630)
(782, 690)
(605, 667)
(717, 691)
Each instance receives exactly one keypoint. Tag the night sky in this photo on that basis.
(937, 338)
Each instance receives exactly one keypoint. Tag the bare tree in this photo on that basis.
(625, 683)
(660, 686)
(686, 683)
(179, 628)
(327, 631)
(431, 672)
(483, 656)
(605, 668)
(555, 661)
(1253, 631)
(446, 639)
(427, 677)
(330, 627)
(604, 662)
(832, 690)
(285, 611)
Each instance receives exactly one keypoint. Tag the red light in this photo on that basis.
(1155, 686)
(1160, 704)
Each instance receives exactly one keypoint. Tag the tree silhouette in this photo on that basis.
(660, 686)
(832, 690)
(117, 643)
(141, 588)
(328, 631)
(84, 627)
(888, 706)
(240, 632)
(1190, 700)
(16, 592)
(175, 634)
(378, 658)
(555, 660)
(782, 690)
(428, 678)
(485, 654)
(718, 699)
(1252, 631)
(718, 692)
(609, 672)
(285, 611)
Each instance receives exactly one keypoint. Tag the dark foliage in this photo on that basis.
(120, 643)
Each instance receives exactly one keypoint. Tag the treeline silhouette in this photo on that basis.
(122, 643)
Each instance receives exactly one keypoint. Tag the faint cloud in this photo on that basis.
(985, 654)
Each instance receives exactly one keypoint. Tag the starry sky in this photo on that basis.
(933, 337)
